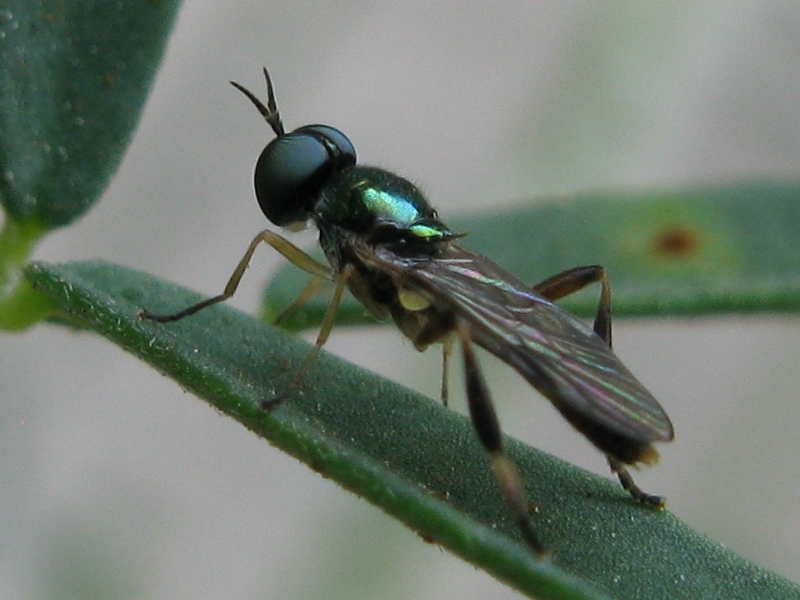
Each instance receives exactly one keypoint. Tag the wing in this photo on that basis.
(554, 350)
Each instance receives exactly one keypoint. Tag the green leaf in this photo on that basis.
(406, 453)
(702, 249)
(74, 77)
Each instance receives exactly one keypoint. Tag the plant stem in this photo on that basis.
(21, 305)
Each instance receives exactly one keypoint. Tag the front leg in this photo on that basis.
(281, 244)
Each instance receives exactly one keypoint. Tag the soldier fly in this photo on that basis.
(387, 245)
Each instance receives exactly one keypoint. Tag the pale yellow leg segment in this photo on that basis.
(309, 290)
(322, 337)
(507, 476)
(294, 254)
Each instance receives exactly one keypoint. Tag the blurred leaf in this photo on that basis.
(702, 249)
(74, 77)
(408, 454)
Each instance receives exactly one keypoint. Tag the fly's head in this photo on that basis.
(295, 167)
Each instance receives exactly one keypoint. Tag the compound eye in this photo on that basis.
(342, 151)
(294, 168)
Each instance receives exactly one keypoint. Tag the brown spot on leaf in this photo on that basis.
(676, 242)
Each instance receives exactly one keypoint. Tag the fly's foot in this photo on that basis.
(274, 402)
(638, 494)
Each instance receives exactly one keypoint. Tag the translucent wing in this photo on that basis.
(555, 351)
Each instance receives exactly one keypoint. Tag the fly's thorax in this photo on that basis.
(381, 208)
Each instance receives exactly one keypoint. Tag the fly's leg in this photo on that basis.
(282, 245)
(618, 468)
(447, 353)
(297, 257)
(322, 337)
(571, 281)
(439, 330)
(566, 283)
(305, 295)
(484, 419)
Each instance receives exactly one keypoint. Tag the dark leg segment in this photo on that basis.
(625, 478)
(571, 281)
(487, 426)
(447, 353)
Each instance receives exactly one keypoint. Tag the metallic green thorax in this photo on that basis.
(381, 206)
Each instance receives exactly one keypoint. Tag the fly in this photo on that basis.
(387, 245)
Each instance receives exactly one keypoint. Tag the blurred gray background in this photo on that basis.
(116, 483)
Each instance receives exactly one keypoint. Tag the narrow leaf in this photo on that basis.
(406, 453)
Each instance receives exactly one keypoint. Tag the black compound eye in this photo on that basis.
(295, 167)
